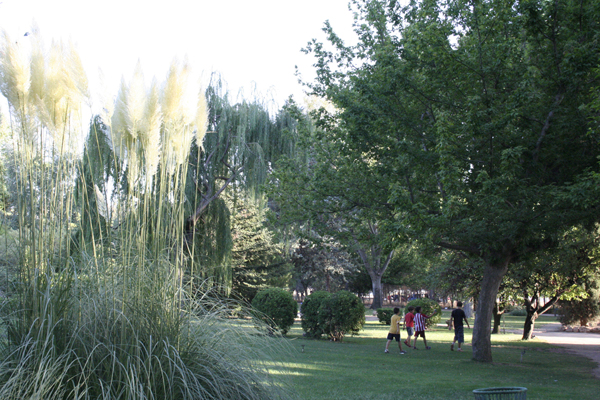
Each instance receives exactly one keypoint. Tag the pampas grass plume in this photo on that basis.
(15, 72)
(119, 122)
(152, 123)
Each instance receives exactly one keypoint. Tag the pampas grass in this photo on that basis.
(110, 314)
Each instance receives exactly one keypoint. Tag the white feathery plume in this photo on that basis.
(58, 87)
(15, 73)
(179, 112)
(135, 103)
(120, 136)
(151, 139)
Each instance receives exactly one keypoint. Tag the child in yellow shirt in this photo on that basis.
(394, 331)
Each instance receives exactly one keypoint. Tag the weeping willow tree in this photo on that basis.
(242, 143)
(100, 307)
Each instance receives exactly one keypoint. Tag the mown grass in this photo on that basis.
(359, 369)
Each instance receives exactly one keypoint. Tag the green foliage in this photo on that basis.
(310, 313)
(257, 260)
(345, 205)
(324, 265)
(277, 307)
(341, 313)
(428, 307)
(384, 315)
(476, 118)
(581, 311)
(518, 312)
(360, 282)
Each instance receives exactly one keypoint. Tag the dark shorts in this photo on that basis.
(392, 336)
(410, 331)
(420, 333)
(459, 334)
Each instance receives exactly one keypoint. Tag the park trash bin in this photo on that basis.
(501, 393)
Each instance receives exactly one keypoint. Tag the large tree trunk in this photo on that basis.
(534, 310)
(492, 277)
(529, 324)
(377, 290)
(375, 269)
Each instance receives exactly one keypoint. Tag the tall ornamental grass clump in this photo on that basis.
(101, 305)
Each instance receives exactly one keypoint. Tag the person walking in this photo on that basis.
(409, 323)
(394, 332)
(420, 327)
(457, 317)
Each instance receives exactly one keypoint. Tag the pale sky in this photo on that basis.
(250, 42)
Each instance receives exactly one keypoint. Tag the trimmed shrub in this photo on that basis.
(579, 312)
(428, 307)
(278, 308)
(384, 315)
(582, 311)
(310, 313)
(518, 312)
(341, 313)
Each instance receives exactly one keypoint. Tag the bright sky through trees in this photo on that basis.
(248, 42)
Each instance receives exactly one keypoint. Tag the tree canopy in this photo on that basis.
(481, 113)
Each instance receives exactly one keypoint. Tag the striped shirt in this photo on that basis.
(420, 322)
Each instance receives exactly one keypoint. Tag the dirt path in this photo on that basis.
(583, 344)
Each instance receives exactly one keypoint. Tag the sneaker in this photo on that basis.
(406, 343)
(458, 349)
(386, 351)
(415, 348)
(427, 348)
(402, 352)
(452, 347)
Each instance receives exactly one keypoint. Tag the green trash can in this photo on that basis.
(501, 393)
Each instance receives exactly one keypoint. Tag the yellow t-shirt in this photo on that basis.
(396, 319)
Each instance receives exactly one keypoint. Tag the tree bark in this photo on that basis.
(377, 290)
(492, 277)
(529, 324)
(375, 269)
(534, 310)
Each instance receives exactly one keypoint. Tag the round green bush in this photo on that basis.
(384, 315)
(310, 313)
(428, 307)
(277, 307)
(341, 313)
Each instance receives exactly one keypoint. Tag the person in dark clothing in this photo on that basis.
(458, 315)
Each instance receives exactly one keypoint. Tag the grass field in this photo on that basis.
(359, 369)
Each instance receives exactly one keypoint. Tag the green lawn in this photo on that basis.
(359, 369)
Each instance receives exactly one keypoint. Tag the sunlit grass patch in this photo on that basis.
(359, 369)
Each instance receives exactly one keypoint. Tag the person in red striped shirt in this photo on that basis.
(409, 322)
(420, 327)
